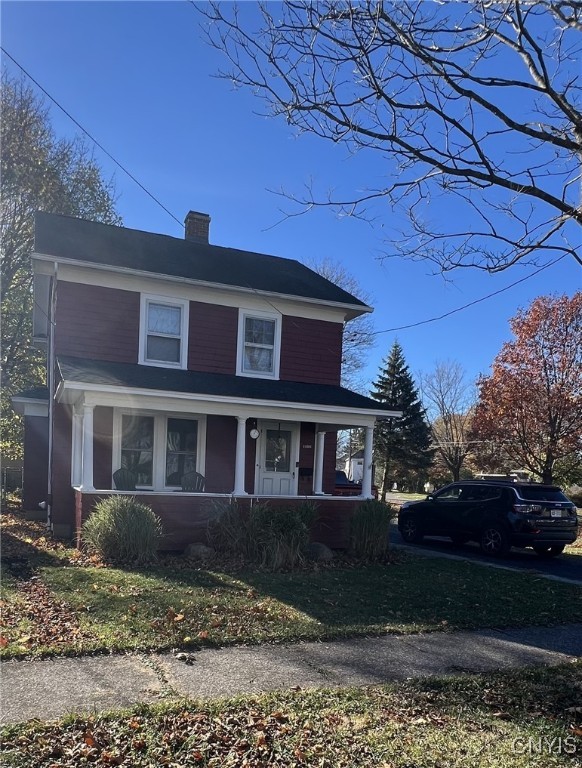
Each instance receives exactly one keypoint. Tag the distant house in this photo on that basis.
(201, 372)
(354, 467)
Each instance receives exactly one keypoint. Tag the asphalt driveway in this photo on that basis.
(565, 566)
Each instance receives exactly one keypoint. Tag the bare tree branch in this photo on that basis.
(474, 107)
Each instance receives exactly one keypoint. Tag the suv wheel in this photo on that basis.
(494, 540)
(552, 551)
(411, 531)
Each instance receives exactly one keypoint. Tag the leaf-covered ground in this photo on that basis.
(57, 601)
(524, 719)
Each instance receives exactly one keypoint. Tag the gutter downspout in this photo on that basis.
(51, 384)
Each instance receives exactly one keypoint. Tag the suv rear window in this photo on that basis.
(480, 493)
(531, 493)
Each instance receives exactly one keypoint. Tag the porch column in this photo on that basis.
(87, 459)
(318, 470)
(368, 457)
(239, 467)
(76, 448)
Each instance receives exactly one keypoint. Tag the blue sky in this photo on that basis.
(139, 77)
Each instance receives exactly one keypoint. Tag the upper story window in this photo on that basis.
(163, 331)
(259, 344)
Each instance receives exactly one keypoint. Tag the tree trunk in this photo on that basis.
(385, 479)
(547, 469)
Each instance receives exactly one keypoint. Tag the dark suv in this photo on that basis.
(496, 514)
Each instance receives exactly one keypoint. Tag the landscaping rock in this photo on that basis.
(199, 551)
(319, 553)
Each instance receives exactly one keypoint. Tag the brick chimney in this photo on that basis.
(196, 227)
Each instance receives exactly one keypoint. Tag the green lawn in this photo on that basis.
(524, 719)
(82, 609)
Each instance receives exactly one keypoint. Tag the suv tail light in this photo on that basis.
(528, 509)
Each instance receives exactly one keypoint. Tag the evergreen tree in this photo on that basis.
(402, 446)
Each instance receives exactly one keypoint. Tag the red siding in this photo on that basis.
(311, 350)
(103, 324)
(185, 518)
(62, 509)
(306, 458)
(35, 475)
(220, 454)
(97, 323)
(212, 338)
(250, 456)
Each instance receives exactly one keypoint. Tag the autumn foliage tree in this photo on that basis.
(531, 404)
(39, 172)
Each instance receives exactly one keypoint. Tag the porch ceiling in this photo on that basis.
(213, 393)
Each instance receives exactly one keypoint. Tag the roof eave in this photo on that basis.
(351, 310)
(71, 391)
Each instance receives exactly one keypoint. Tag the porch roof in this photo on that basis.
(77, 373)
(32, 402)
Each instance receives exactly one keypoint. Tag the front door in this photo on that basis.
(277, 457)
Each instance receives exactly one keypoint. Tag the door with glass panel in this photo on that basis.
(277, 453)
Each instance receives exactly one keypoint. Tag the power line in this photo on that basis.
(158, 202)
(93, 139)
(471, 303)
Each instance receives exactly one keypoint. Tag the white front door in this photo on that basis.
(277, 458)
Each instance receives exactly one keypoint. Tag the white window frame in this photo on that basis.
(184, 306)
(160, 444)
(243, 314)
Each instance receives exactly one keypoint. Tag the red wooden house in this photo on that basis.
(169, 357)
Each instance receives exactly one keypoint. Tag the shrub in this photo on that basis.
(227, 527)
(121, 529)
(272, 538)
(279, 537)
(369, 529)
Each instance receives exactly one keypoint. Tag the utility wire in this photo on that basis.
(93, 139)
(158, 202)
(471, 303)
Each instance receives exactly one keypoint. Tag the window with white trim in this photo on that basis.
(158, 449)
(259, 344)
(137, 447)
(181, 449)
(163, 331)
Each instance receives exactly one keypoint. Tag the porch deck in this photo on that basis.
(185, 516)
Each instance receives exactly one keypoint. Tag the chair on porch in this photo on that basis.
(193, 482)
(124, 480)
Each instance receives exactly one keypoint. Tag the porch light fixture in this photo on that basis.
(254, 433)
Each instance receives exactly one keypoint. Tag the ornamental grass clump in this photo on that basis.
(369, 529)
(271, 538)
(122, 530)
(280, 536)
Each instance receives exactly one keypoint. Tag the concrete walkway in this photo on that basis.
(52, 688)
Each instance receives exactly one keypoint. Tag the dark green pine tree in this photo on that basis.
(401, 446)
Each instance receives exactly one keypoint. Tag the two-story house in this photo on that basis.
(168, 357)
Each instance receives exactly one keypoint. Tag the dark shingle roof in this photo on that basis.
(136, 376)
(36, 393)
(99, 244)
